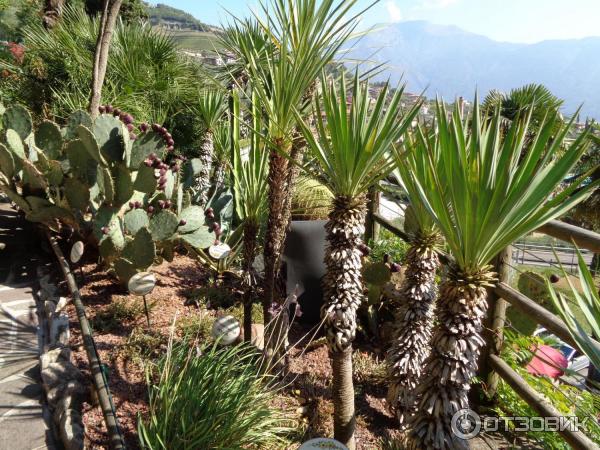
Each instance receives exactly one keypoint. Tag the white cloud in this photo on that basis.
(431, 4)
(395, 15)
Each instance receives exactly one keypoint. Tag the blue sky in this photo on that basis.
(504, 20)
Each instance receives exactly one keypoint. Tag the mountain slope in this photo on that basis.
(448, 61)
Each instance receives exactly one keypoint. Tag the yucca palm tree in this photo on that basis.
(250, 188)
(351, 154)
(413, 317)
(484, 192)
(306, 35)
(211, 108)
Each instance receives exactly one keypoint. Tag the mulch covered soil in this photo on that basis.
(124, 344)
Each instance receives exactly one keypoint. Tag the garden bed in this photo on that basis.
(125, 345)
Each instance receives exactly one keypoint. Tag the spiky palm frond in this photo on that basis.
(306, 35)
(245, 39)
(489, 188)
(353, 142)
(211, 107)
(250, 168)
(481, 194)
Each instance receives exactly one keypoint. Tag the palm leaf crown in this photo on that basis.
(482, 194)
(352, 146)
(211, 107)
(411, 167)
(305, 36)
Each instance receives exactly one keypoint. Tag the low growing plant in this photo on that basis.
(210, 398)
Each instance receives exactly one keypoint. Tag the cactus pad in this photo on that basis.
(144, 145)
(7, 162)
(123, 185)
(194, 218)
(77, 118)
(77, 193)
(90, 143)
(134, 220)
(163, 225)
(48, 138)
(141, 250)
(376, 274)
(145, 180)
(200, 239)
(108, 131)
(18, 118)
(15, 145)
(81, 162)
(124, 270)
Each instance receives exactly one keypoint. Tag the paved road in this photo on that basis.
(23, 417)
(542, 257)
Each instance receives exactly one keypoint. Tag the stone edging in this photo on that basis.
(64, 384)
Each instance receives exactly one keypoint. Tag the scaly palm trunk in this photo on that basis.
(206, 156)
(343, 291)
(412, 325)
(275, 232)
(53, 10)
(251, 229)
(448, 370)
(218, 178)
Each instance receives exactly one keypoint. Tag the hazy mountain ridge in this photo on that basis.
(450, 62)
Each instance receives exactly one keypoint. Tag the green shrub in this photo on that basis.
(210, 398)
(390, 244)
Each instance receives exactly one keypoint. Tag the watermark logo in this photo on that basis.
(466, 424)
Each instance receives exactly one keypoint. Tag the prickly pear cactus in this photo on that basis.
(115, 183)
(533, 285)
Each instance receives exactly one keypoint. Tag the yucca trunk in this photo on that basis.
(452, 363)
(413, 324)
(251, 229)
(343, 291)
(275, 232)
(217, 179)
(206, 157)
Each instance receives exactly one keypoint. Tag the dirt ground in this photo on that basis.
(125, 343)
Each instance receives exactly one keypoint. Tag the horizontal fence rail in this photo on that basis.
(577, 439)
(541, 315)
(565, 232)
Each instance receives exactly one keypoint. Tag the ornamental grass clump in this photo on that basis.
(485, 188)
(211, 397)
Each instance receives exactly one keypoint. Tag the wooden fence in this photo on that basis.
(492, 367)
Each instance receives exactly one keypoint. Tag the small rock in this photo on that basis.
(59, 329)
(71, 430)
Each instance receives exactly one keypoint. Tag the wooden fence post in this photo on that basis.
(494, 323)
(371, 225)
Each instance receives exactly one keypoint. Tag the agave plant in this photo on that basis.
(485, 190)
(588, 301)
(221, 156)
(414, 315)
(211, 108)
(307, 35)
(351, 152)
